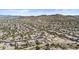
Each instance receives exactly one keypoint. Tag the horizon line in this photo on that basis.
(44, 15)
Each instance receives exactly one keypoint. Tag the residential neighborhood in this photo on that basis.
(44, 32)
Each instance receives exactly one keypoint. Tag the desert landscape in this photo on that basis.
(43, 32)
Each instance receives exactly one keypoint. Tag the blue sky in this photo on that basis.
(35, 12)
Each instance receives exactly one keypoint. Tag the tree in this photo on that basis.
(47, 47)
(37, 42)
(37, 47)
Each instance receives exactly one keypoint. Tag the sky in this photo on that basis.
(36, 12)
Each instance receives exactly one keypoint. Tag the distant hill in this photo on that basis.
(56, 16)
